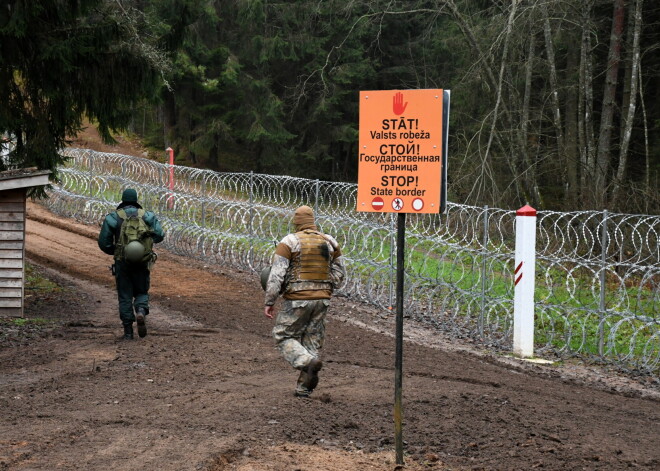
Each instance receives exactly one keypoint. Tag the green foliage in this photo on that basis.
(273, 86)
(61, 61)
(21, 321)
(34, 280)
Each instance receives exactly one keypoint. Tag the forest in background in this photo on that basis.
(555, 103)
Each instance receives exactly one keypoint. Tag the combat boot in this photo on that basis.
(310, 379)
(128, 331)
(301, 389)
(141, 318)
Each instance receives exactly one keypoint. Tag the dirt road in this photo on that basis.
(206, 389)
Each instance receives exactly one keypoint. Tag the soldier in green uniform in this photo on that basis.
(307, 267)
(132, 260)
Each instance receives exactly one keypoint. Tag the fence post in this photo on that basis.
(203, 215)
(170, 198)
(202, 223)
(316, 200)
(251, 203)
(161, 184)
(251, 251)
(123, 168)
(483, 273)
(604, 242)
(523, 303)
(91, 176)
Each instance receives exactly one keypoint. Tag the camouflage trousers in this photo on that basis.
(300, 330)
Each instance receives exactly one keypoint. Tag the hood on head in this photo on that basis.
(303, 218)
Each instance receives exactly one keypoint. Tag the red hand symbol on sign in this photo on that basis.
(397, 104)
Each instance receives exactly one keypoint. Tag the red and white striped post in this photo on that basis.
(170, 198)
(523, 302)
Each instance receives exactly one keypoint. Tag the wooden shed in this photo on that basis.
(13, 195)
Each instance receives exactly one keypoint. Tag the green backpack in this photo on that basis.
(134, 244)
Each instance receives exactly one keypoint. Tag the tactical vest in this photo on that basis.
(310, 268)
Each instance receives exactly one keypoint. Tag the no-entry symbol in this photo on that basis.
(377, 203)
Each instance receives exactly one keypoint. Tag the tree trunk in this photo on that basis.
(498, 100)
(570, 141)
(604, 155)
(528, 168)
(627, 63)
(588, 146)
(647, 155)
(632, 104)
(554, 92)
(496, 83)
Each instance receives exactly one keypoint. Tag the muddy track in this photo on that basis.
(207, 390)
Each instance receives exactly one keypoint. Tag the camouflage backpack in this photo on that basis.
(134, 243)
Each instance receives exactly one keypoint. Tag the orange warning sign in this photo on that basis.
(400, 153)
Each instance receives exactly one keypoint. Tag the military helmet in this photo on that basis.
(129, 195)
(265, 273)
(134, 251)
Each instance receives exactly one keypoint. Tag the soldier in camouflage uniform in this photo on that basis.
(307, 267)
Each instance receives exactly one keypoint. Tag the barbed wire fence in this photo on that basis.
(597, 276)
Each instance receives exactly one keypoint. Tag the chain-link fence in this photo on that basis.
(597, 275)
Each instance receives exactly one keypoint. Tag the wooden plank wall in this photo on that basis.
(12, 252)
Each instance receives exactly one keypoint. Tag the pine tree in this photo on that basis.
(64, 60)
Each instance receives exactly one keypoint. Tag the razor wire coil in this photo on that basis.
(597, 274)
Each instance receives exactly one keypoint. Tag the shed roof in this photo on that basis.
(22, 178)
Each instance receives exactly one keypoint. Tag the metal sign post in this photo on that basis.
(398, 362)
(402, 169)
